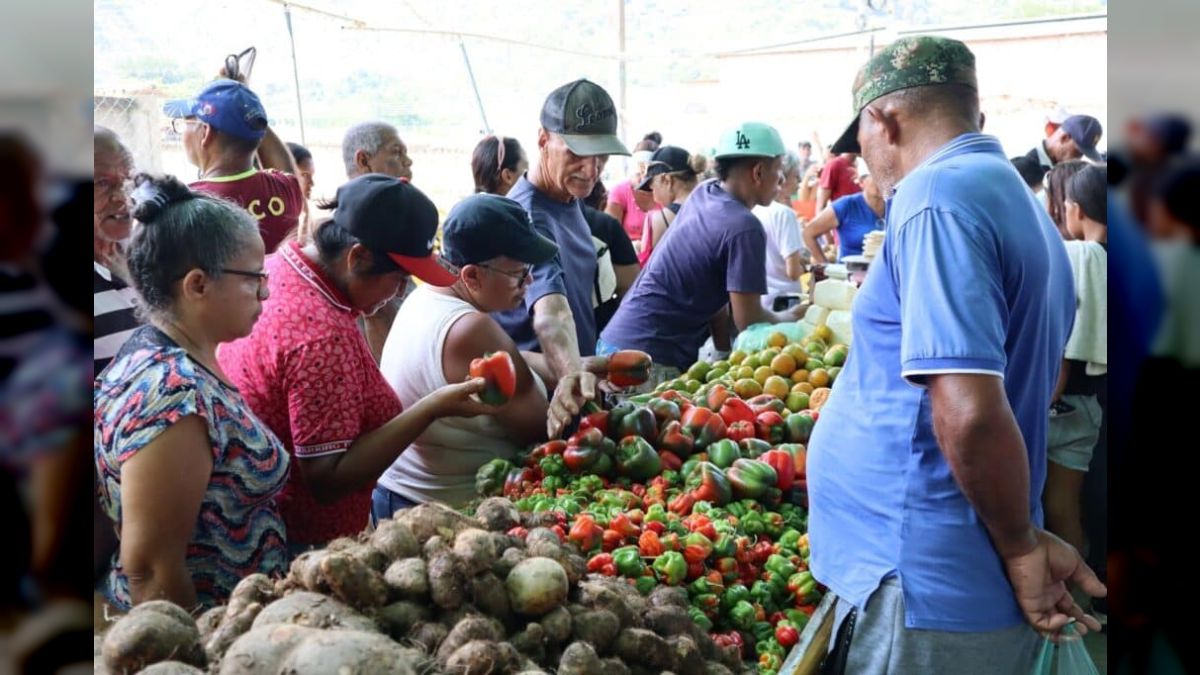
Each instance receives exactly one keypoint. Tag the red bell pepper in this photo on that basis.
(664, 410)
(655, 526)
(628, 368)
(770, 427)
(784, 465)
(704, 425)
(764, 402)
(736, 410)
(695, 570)
(671, 542)
(560, 532)
(596, 420)
(750, 478)
(637, 459)
(649, 545)
(800, 426)
(708, 483)
(717, 396)
(697, 547)
(670, 461)
(622, 524)
(728, 568)
(585, 451)
(632, 420)
(585, 533)
(598, 561)
(497, 369)
(676, 439)
(544, 450)
(682, 504)
(786, 634)
(698, 522)
(678, 398)
(740, 431)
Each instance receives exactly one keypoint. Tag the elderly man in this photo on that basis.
(224, 127)
(926, 521)
(577, 134)
(112, 298)
(375, 147)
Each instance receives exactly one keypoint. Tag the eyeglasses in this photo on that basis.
(179, 124)
(263, 277)
(522, 277)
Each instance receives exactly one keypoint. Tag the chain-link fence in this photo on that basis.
(138, 120)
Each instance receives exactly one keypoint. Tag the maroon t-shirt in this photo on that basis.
(838, 177)
(272, 197)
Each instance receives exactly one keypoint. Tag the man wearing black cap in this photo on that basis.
(440, 330)
(577, 134)
(927, 522)
(1076, 137)
(223, 128)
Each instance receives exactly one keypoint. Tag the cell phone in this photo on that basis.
(241, 64)
(785, 302)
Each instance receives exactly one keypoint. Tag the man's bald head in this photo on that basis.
(108, 146)
(113, 166)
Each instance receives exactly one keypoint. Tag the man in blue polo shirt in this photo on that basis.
(926, 470)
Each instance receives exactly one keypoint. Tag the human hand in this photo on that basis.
(1039, 578)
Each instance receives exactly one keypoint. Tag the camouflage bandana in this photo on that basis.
(908, 62)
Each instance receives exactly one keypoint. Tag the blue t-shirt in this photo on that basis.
(972, 278)
(855, 219)
(715, 246)
(571, 273)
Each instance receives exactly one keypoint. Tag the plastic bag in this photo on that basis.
(754, 338)
(1068, 657)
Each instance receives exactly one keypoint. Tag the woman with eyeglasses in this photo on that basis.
(436, 335)
(308, 372)
(187, 472)
(497, 162)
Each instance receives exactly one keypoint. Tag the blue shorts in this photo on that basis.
(385, 503)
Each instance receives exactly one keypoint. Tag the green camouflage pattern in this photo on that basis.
(914, 62)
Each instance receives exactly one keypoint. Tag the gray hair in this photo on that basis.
(791, 162)
(178, 231)
(106, 141)
(368, 136)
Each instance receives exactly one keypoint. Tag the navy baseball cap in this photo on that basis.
(667, 159)
(1086, 131)
(389, 215)
(227, 106)
(484, 226)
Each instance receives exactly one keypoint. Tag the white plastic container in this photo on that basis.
(816, 315)
(839, 323)
(836, 294)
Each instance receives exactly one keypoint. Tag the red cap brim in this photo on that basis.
(431, 269)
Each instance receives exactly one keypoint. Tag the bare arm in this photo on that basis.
(472, 336)
(747, 310)
(826, 221)
(554, 325)
(162, 487)
(822, 198)
(616, 211)
(658, 225)
(626, 275)
(273, 153)
(979, 437)
(719, 327)
(795, 266)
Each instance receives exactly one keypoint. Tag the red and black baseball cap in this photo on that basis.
(389, 215)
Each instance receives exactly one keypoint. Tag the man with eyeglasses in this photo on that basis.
(224, 128)
(114, 316)
(556, 320)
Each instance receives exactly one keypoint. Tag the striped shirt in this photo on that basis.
(113, 310)
(25, 316)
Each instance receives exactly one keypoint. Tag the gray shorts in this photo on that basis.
(882, 644)
(1071, 437)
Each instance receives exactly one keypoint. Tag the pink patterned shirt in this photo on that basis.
(307, 371)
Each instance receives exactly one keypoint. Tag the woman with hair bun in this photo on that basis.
(188, 474)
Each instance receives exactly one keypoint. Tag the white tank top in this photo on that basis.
(441, 464)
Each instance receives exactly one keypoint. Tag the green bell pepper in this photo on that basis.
(762, 631)
(733, 595)
(724, 546)
(753, 448)
(789, 540)
(752, 524)
(724, 453)
(742, 615)
(779, 565)
(657, 513)
(553, 465)
(774, 524)
(799, 619)
(762, 593)
(750, 478)
(702, 586)
(708, 483)
(628, 562)
(700, 619)
(637, 459)
(645, 584)
(489, 479)
(671, 568)
(553, 483)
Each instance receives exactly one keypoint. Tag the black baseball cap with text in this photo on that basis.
(485, 226)
(585, 116)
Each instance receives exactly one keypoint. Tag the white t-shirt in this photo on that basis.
(441, 464)
(783, 239)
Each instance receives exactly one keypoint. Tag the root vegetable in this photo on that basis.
(614, 666)
(151, 632)
(685, 655)
(435, 545)
(638, 645)
(543, 548)
(346, 652)
(171, 668)
(539, 520)
(668, 621)
(469, 629)
(313, 610)
(352, 581)
(229, 630)
(579, 658)
(575, 566)
(447, 580)
(451, 617)
(395, 540)
(305, 571)
(428, 635)
(207, 622)
(498, 514)
(509, 560)
(481, 657)
(531, 642)
(398, 618)
(557, 625)
(714, 668)
(597, 627)
(542, 534)
(600, 595)
(536, 586)
(490, 596)
(477, 550)
(730, 656)
(669, 596)
(408, 579)
(427, 520)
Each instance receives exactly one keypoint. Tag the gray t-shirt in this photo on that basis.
(716, 246)
(570, 273)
